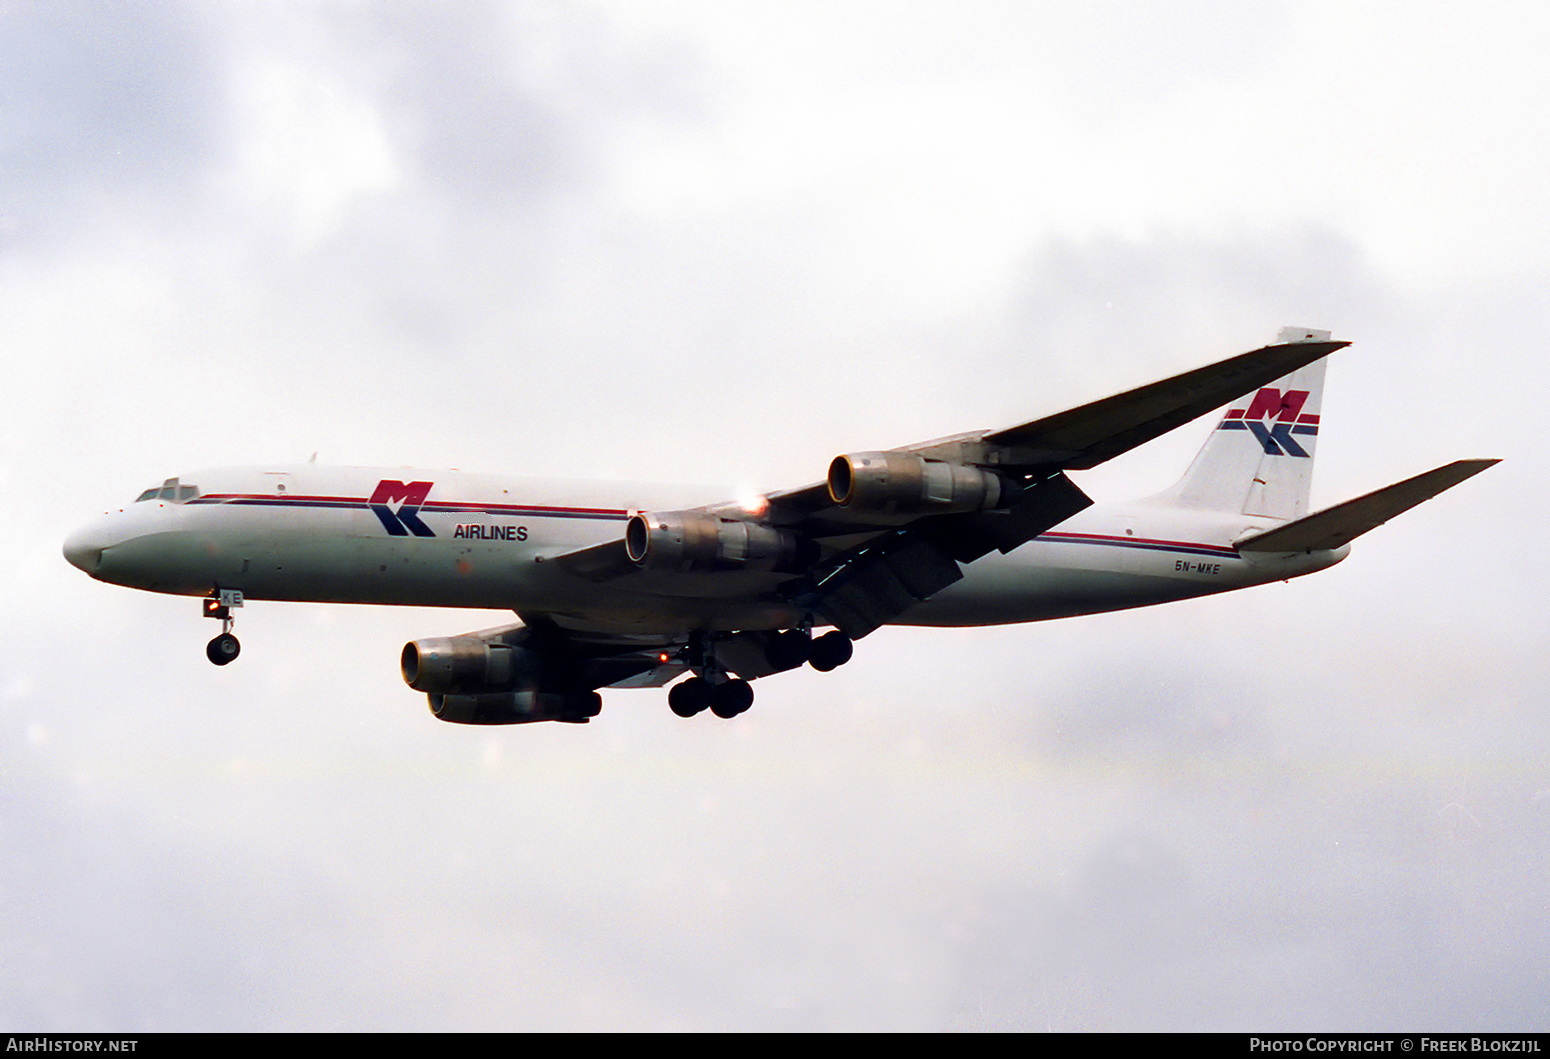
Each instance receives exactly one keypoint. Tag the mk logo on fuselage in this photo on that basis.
(1284, 411)
(409, 496)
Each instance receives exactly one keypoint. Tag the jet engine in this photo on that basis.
(687, 541)
(465, 665)
(474, 680)
(899, 483)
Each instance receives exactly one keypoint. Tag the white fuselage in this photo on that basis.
(454, 539)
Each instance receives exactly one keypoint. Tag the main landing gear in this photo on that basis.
(830, 651)
(725, 699)
(726, 696)
(224, 648)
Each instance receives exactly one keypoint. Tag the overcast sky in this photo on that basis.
(722, 242)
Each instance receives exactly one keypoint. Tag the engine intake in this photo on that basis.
(899, 483)
(463, 665)
(685, 541)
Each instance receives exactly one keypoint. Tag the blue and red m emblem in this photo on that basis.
(409, 496)
(1284, 411)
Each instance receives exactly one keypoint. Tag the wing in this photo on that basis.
(886, 530)
(1087, 436)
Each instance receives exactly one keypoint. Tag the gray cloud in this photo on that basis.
(112, 105)
(1318, 805)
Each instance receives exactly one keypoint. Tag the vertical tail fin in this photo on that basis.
(1259, 458)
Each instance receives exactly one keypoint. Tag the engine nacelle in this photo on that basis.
(687, 541)
(517, 707)
(465, 665)
(495, 677)
(899, 483)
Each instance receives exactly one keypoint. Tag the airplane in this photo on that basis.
(653, 584)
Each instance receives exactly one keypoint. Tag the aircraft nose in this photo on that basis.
(84, 550)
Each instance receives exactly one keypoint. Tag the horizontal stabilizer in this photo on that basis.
(1343, 523)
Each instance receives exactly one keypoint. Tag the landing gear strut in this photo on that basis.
(711, 688)
(789, 649)
(224, 648)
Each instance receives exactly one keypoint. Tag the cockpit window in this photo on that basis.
(171, 491)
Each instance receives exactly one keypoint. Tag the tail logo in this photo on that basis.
(1284, 413)
(409, 496)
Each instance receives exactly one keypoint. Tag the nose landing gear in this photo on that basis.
(224, 648)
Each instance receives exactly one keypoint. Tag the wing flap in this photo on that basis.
(882, 581)
(1343, 523)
